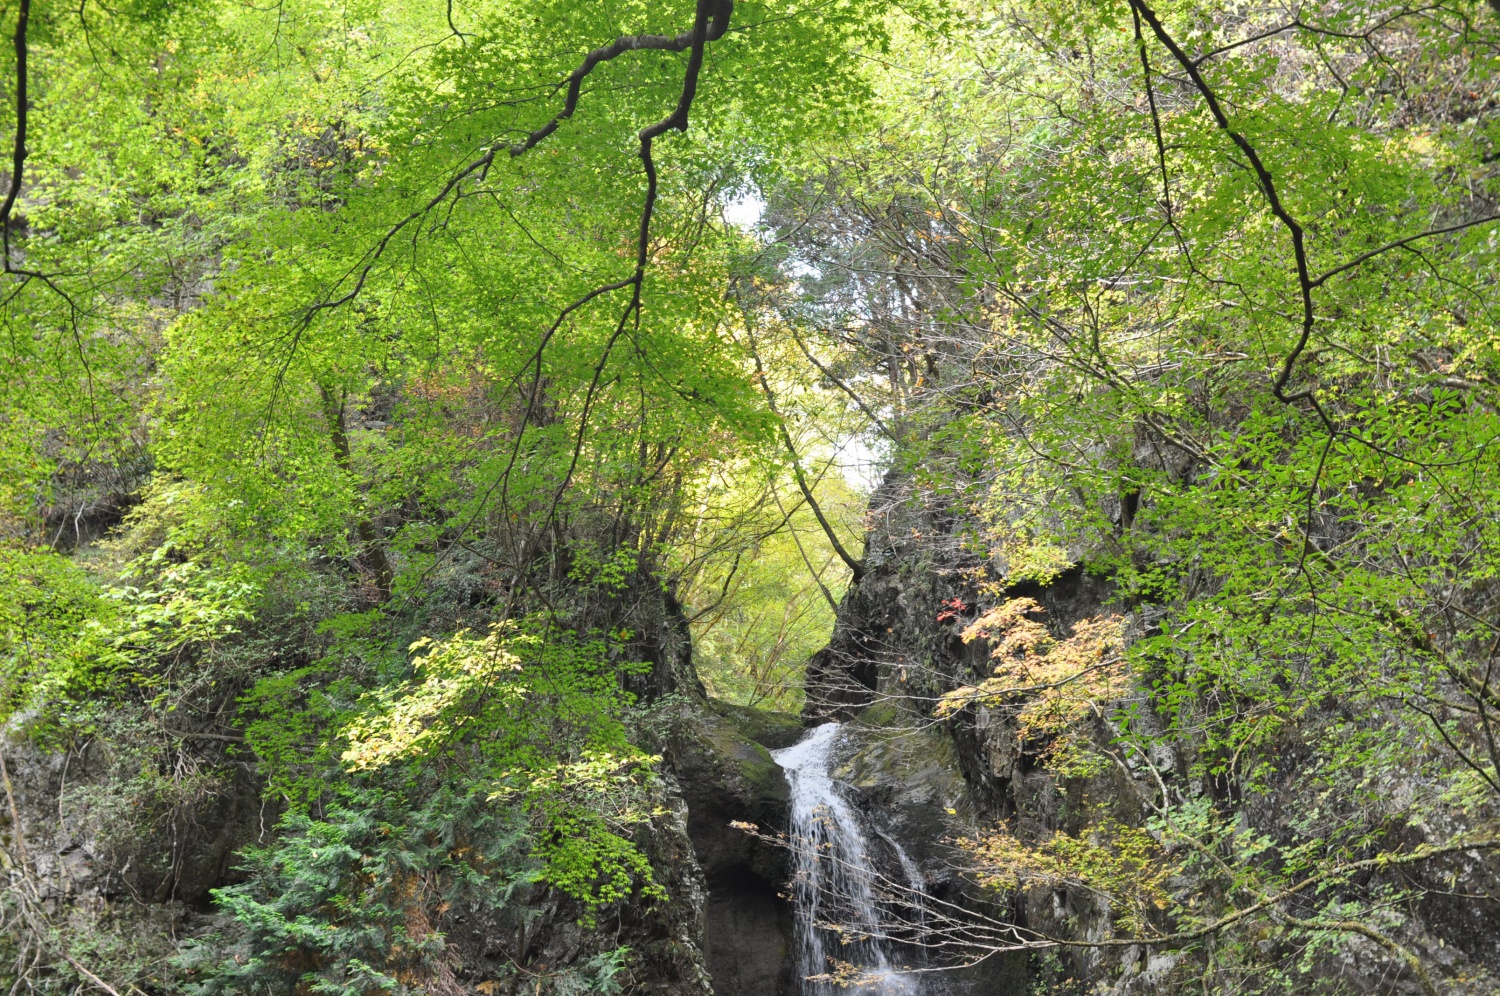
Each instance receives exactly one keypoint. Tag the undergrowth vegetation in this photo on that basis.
(405, 403)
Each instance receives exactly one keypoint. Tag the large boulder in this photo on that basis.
(719, 755)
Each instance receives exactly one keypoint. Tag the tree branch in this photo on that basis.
(1401, 243)
(18, 150)
(859, 403)
(1268, 188)
(856, 569)
(710, 23)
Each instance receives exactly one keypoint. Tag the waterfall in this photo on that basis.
(915, 884)
(836, 886)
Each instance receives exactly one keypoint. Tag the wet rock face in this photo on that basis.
(905, 776)
(747, 940)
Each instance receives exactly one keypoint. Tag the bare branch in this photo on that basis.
(1400, 243)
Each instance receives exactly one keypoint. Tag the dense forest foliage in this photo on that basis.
(410, 409)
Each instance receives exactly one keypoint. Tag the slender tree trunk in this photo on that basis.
(371, 549)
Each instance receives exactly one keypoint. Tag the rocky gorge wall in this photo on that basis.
(896, 649)
(727, 926)
(113, 846)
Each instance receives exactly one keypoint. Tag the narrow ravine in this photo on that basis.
(836, 886)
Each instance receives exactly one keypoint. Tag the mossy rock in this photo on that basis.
(773, 730)
(734, 750)
(915, 765)
(883, 714)
(727, 778)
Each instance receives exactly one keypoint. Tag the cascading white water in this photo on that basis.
(915, 884)
(835, 885)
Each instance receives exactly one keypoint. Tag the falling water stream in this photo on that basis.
(835, 880)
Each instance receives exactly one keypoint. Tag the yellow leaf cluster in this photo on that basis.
(407, 720)
(1048, 683)
(1123, 864)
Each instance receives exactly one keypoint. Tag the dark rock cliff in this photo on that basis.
(896, 648)
(719, 755)
(127, 839)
